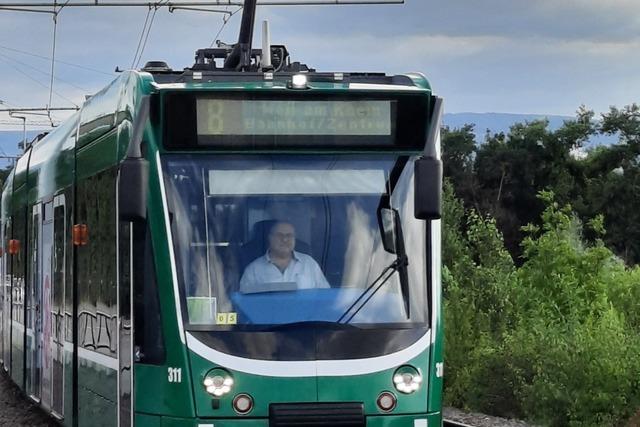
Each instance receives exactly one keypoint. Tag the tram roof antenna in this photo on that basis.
(240, 56)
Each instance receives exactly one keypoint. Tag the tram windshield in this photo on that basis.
(265, 241)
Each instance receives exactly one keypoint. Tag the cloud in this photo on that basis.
(544, 56)
(366, 49)
(566, 19)
(491, 73)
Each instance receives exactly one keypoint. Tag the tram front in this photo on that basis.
(306, 252)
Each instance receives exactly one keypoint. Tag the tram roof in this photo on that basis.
(326, 81)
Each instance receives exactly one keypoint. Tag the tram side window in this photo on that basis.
(18, 264)
(68, 274)
(58, 272)
(97, 292)
(149, 343)
(33, 266)
(6, 279)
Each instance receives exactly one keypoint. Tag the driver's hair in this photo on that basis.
(277, 222)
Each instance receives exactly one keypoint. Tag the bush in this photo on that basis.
(555, 341)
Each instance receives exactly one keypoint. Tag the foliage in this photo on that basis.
(476, 271)
(555, 340)
(502, 176)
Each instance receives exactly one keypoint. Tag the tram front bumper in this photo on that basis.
(415, 420)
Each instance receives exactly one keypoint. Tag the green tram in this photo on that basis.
(143, 283)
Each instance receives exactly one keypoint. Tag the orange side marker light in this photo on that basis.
(80, 235)
(14, 247)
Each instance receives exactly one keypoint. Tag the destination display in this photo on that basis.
(294, 117)
(266, 121)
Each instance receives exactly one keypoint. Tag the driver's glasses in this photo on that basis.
(284, 236)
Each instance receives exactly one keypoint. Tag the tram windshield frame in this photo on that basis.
(221, 204)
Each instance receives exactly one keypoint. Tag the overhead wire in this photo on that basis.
(144, 44)
(225, 20)
(53, 57)
(39, 83)
(32, 123)
(56, 13)
(144, 28)
(24, 64)
(62, 7)
(47, 58)
(156, 6)
(3, 101)
(10, 105)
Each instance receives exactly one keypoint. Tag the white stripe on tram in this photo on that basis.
(324, 368)
(436, 275)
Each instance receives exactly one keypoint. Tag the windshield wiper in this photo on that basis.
(393, 242)
(399, 265)
(402, 269)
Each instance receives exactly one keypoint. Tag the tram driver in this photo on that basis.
(281, 267)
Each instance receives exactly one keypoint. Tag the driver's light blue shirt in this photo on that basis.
(302, 270)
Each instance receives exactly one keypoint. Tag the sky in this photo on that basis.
(517, 56)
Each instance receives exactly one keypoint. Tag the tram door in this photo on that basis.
(6, 298)
(34, 305)
(39, 305)
(46, 312)
(58, 306)
(2, 293)
(125, 325)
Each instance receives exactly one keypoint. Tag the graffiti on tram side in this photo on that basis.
(98, 331)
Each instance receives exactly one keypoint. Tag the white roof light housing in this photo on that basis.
(298, 81)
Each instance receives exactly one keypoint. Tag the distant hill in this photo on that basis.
(501, 122)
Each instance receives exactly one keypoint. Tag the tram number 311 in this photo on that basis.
(175, 375)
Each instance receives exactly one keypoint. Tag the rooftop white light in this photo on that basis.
(299, 81)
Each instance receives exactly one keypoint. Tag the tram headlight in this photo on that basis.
(407, 379)
(298, 81)
(218, 382)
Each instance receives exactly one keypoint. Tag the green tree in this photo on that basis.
(610, 183)
(458, 155)
(502, 177)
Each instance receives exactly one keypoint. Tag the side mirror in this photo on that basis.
(387, 223)
(132, 189)
(428, 188)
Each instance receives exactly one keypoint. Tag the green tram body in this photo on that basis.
(72, 322)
